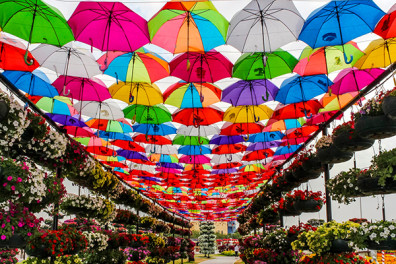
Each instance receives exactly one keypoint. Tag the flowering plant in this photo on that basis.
(136, 254)
(299, 195)
(272, 257)
(125, 217)
(106, 257)
(295, 230)
(7, 256)
(147, 221)
(379, 231)
(93, 206)
(76, 161)
(343, 188)
(347, 127)
(324, 142)
(71, 259)
(82, 224)
(372, 107)
(350, 258)
(384, 165)
(17, 219)
(96, 241)
(161, 227)
(359, 220)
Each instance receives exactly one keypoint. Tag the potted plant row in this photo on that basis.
(328, 153)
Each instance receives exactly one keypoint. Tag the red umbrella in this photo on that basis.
(258, 155)
(229, 149)
(129, 145)
(294, 141)
(198, 116)
(386, 27)
(304, 131)
(227, 165)
(297, 110)
(12, 57)
(230, 129)
(152, 139)
(78, 131)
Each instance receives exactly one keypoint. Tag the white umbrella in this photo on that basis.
(161, 149)
(202, 131)
(101, 110)
(226, 158)
(264, 26)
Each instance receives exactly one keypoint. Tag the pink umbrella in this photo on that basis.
(82, 89)
(197, 67)
(78, 131)
(352, 80)
(194, 159)
(321, 118)
(109, 26)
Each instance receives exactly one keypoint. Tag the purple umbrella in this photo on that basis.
(224, 171)
(131, 155)
(109, 26)
(170, 165)
(254, 92)
(353, 80)
(225, 140)
(67, 120)
(82, 89)
(263, 145)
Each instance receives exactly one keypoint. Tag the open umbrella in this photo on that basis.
(302, 88)
(225, 140)
(260, 65)
(266, 136)
(109, 26)
(192, 95)
(66, 120)
(188, 26)
(197, 67)
(263, 145)
(254, 92)
(380, 53)
(136, 67)
(229, 149)
(284, 124)
(247, 113)
(201, 131)
(194, 150)
(31, 83)
(230, 129)
(338, 22)
(101, 110)
(109, 125)
(297, 110)
(152, 139)
(82, 89)
(12, 56)
(190, 140)
(35, 22)
(198, 116)
(128, 145)
(264, 25)
(57, 105)
(194, 159)
(386, 27)
(136, 93)
(153, 129)
(157, 114)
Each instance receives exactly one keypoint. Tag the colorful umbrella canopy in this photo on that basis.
(192, 95)
(197, 67)
(157, 114)
(128, 145)
(109, 26)
(264, 25)
(247, 113)
(353, 80)
(198, 116)
(261, 65)
(190, 140)
(136, 93)
(279, 125)
(326, 25)
(57, 105)
(225, 140)
(194, 150)
(188, 26)
(136, 67)
(31, 83)
(101, 110)
(82, 89)
(35, 22)
(154, 129)
(12, 57)
(297, 110)
(380, 53)
(109, 125)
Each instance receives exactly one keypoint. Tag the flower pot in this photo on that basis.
(4, 110)
(40, 251)
(389, 107)
(333, 154)
(375, 127)
(291, 238)
(16, 241)
(340, 246)
(302, 175)
(369, 185)
(347, 142)
(290, 211)
(388, 244)
(308, 206)
(312, 165)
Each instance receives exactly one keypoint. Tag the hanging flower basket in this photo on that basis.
(301, 175)
(389, 107)
(4, 109)
(346, 142)
(15, 241)
(312, 165)
(289, 210)
(340, 246)
(333, 154)
(388, 244)
(368, 184)
(308, 206)
(39, 251)
(375, 127)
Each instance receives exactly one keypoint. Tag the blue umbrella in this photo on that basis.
(31, 83)
(194, 150)
(226, 140)
(113, 135)
(302, 89)
(152, 129)
(266, 137)
(286, 150)
(129, 154)
(338, 22)
(66, 120)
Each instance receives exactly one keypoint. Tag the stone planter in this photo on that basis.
(308, 206)
(346, 142)
(389, 107)
(340, 246)
(388, 244)
(375, 127)
(333, 154)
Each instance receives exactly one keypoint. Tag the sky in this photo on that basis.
(371, 206)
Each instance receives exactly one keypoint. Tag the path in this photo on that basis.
(220, 260)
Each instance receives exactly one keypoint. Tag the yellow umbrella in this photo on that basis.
(247, 113)
(336, 102)
(379, 54)
(136, 93)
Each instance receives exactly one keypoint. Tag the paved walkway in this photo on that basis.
(220, 260)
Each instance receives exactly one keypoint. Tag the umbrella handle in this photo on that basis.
(152, 151)
(64, 91)
(346, 59)
(105, 66)
(201, 98)
(256, 118)
(195, 124)
(246, 138)
(230, 158)
(308, 117)
(26, 58)
(265, 99)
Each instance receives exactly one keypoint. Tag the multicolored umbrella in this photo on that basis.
(57, 105)
(266, 136)
(264, 26)
(210, 67)
(259, 65)
(279, 125)
(109, 26)
(66, 120)
(109, 125)
(188, 26)
(380, 53)
(136, 93)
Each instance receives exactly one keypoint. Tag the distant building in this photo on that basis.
(220, 227)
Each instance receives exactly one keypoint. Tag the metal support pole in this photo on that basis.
(326, 178)
(383, 207)
(138, 220)
(56, 206)
(281, 223)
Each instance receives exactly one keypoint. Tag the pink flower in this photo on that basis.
(13, 188)
(19, 179)
(29, 234)
(3, 225)
(5, 184)
(9, 178)
(20, 224)
(3, 237)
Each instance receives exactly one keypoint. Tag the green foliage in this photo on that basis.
(343, 188)
(106, 257)
(384, 165)
(73, 259)
(207, 239)
(228, 253)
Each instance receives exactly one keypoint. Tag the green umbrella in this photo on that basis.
(144, 114)
(190, 140)
(35, 22)
(265, 65)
